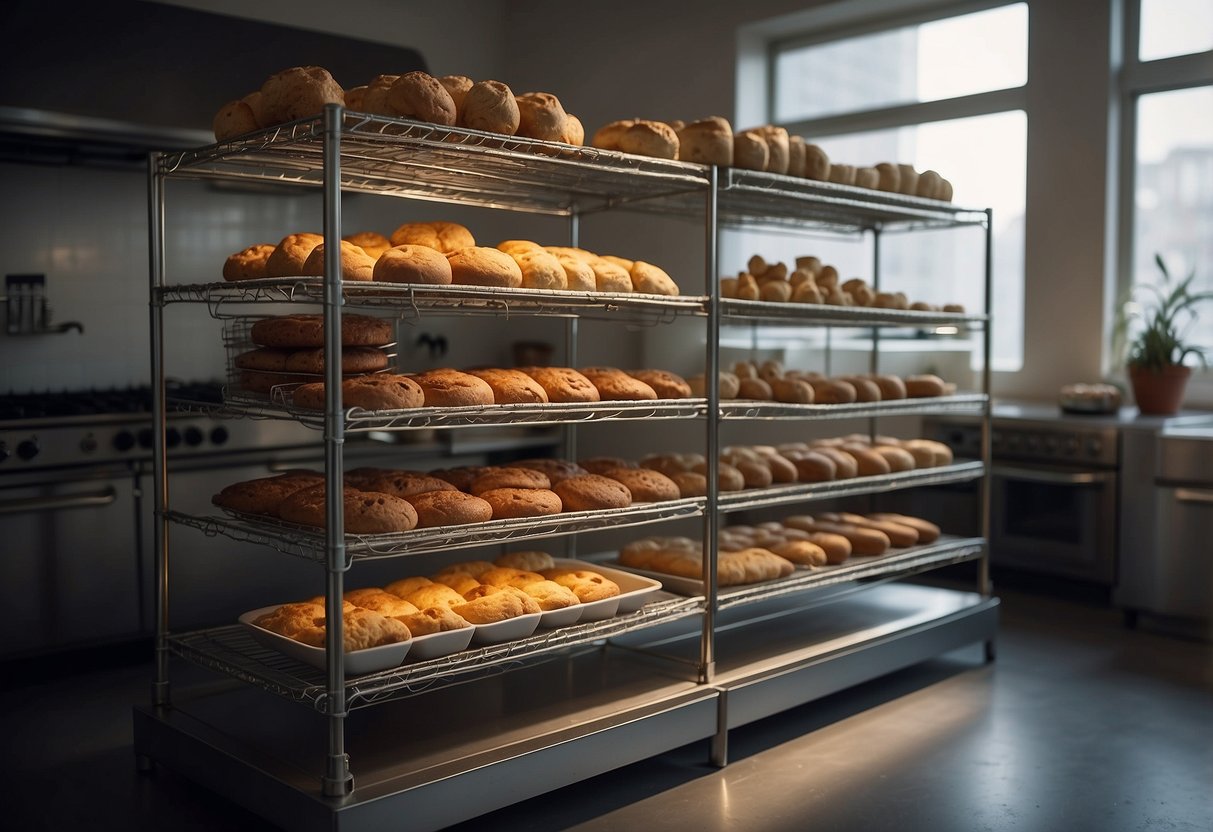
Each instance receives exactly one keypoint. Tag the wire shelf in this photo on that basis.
(411, 301)
(960, 403)
(855, 486)
(385, 155)
(901, 563)
(814, 314)
(307, 542)
(233, 651)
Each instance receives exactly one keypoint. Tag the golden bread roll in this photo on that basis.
(750, 151)
(845, 465)
(457, 87)
(288, 257)
(372, 242)
(610, 277)
(928, 532)
(816, 163)
(651, 279)
(924, 386)
(728, 477)
(365, 512)
(356, 264)
(864, 541)
(446, 237)
(777, 147)
(803, 552)
(413, 264)
(708, 141)
(513, 247)
(690, 484)
(375, 96)
(908, 182)
(403, 587)
(868, 462)
(298, 92)
(755, 388)
(899, 534)
(836, 547)
(380, 600)
(665, 384)
(433, 620)
(490, 106)
(404, 484)
(945, 190)
(511, 386)
(249, 264)
(783, 470)
(644, 484)
(792, 390)
(556, 469)
(592, 491)
(509, 576)
(449, 508)
(842, 174)
(649, 138)
(550, 595)
(899, 459)
(578, 275)
(362, 629)
(574, 131)
(563, 384)
(607, 136)
(461, 582)
(445, 387)
(775, 291)
(728, 385)
(381, 391)
(587, 585)
(509, 477)
(235, 118)
(541, 116)
(891, 387)
(475, 568)
(867, 178)
(812, 466)
(889, 177)
(290, 619)
(941, 454)
(531, 561)
(930, 183)
(796, 156)
(490, 607)
(482, 266)
(420, 96)
(833, 391)
(540, 270)
(866, 390)
(616, 385)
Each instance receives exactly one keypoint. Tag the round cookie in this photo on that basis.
(420, 96)
(405, 484)
(447, 237)
(592, 491)
(451, 388)
(381, 391)
(288, 257)
(413, 264)
(522, 502)
(483, 266)
(248, 264)
(645, 484)
(449, 508)
(372, 242)
(353, 360)
(511, 386)
(460, 477)
(509, 477)
(490, 106)
(265, 495)
(563, 384)
(365, 512)
(298, 92)
(308, 331)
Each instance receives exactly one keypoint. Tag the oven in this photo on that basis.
(1054, 494)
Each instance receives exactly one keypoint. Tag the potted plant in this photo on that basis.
(1157, 352)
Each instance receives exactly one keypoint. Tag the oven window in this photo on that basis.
(1044, 512)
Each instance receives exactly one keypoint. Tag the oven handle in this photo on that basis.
(1052, 477)
(1203, 496)
(32, 504)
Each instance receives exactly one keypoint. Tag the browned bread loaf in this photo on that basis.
(420, 96)
(382, 391)
(298, 92)
(413, 264)
(447, 237)
(366, 512)
(249, 264)
(308, 331)
(511, 386)
(592, 491)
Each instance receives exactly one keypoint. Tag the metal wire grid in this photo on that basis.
(232, 650)
(761, 311)
(746, 409)
(447, 164)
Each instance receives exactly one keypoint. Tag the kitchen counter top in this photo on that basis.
(1127, 418)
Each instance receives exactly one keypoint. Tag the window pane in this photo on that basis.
(942, 59)
(939, 266)
(1173, 211)
(1174, 27)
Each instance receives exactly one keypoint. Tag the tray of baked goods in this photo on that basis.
(799, 552)
(471, 617)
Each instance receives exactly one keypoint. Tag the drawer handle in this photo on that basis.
(1193, 495)
(1054, 477)
(37, 504)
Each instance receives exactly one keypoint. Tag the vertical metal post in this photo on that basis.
(711, 520)
(160, 687)
(337, 778)
(570, 343)
(874, 355)
(983, 579)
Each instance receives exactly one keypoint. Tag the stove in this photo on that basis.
(40, 431)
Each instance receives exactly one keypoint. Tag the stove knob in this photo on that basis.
(219, 435)
(28, 449)
(1071, 445)
(88, 444)
(1051, 444)
(124, 440)
(1094, 446)
(172, 438)
(193, 437)
(145, 437)
(4, 452)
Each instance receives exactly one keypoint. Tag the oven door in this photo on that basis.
(71, 561)
(1056, 521)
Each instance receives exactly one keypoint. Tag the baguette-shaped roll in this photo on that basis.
(899, 535)
(845, 464)
(899, 458)
(863, 541)
(928, 532)
(891, 387)
(833, 391)
(924, 386)
(868, 462)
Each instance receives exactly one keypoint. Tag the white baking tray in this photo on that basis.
(634, 590)
(434, 645)
(357, 662)
(520, 626)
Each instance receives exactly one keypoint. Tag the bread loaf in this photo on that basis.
(420, 96)
(708, 141)
(491, 106)
(297, 93)
(750, 151)
(541, 116)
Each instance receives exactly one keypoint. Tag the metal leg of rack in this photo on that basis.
(983, 577)
(711, 518)
(718, 749)
(570, 354)
(160, 687)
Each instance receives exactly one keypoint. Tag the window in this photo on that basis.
(942, 93)
(1168, 166)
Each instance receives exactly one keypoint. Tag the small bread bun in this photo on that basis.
(708, 141)
(650, 138)
(610, 277)
(375, 96)
(607, 137)
(356, 264)
(592, 491)
(651, 279)
(447, 237)
(891, 387)
(665, 384)
(298, 92)
(563, 384)
(457, 87)
(419, 95)
(924, 386)
(541, 116)
(445, 387)
(291, 253)
(578, 274)
(511, 386)
(483, 266)
(413, 264)
(234, 118)
(777, 147)
(750, 151)
(574, 131)
(491, 106)
(248, 264)
(867, 178)
(816, 163)
(890, 177)
(842, 174)
(372, 242)
(540, 270)
(909, 180)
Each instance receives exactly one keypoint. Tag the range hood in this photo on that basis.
(102, 84)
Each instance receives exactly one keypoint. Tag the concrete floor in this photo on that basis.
(1079, 725)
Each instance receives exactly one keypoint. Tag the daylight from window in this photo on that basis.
(1175, 27)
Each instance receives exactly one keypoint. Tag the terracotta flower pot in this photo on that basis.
(1159, 392)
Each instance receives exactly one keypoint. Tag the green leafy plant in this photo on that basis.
(1167, 317)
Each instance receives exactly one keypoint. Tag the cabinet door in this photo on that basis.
(1184, 565)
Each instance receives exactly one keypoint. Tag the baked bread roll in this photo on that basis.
(509, 477)
(587, 585)
(541, 116)
(413, 264)
(264, 495)
(379, 600)
(445, 387)
(288, 257)
(249, 264)
(563, 384)
(649, 138)
(382, 391)
(750, 151)
(777, 147)
(665, 384)
(475, 568)
(891, 387)
(728, 385)
(356, 264)
(522, 502)
(366, 512)
(491, 607)
(404, 586)
(550, 595)
(899, 459)
(457, 87)
(298, 92)
(540, 269)
(890, 177)
(616, 385)
(434, 595)
(900, 535)
(602, 464)
(868, 462)
(842, 174)
(796, 156)
(361, 629)
(235, 118)
(556, 469)
(591, 491)
(908, 182)
(375, 96)
(287, 360)
(708, 141)
(925, 385)
(927, 531)
(610, 277)
(511, 386)
(864, 541)
(690, 483)
(491, 106)
(645, 485)
(607, 136)
(577, 272)
(447, 237)
(867, 178)
(404, 484)
(532, 561)
(420, 96)
(482, 266)
(816, 163)
(372, 242)
(449, 508)
(291, 619)
(574, 131)
(940, 454)
(433, 620)
(651, 279)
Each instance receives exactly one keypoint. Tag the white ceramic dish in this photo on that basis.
(562, 617)
(357, 663)
(508, 630)
(445, 643)
(634, 590)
